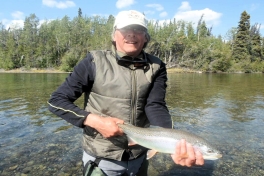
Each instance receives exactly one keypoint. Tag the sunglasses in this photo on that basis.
(135, 29)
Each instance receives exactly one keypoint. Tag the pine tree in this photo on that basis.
(80, 13)
(262, 49)
(202, 30)
(241, 43)
(29, 38)
(255, 43)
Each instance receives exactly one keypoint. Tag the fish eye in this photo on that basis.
(210, 151)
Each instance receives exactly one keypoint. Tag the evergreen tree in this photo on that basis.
(202, 30)
(190, 32)
(30, 40)
(241, 43)
(63, 42)
(255, 45)
(80, 13)
(262, 49)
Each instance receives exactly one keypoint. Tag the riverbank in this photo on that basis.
(32, 70)
(182, 70)
(52, 70)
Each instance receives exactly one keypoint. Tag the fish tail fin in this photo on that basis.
(151, 153)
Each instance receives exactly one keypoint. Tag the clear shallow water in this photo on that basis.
(226, 109)
(33, 141)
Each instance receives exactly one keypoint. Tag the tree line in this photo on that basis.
(61, 43)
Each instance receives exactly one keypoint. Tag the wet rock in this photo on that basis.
(64, 174)
(30, 163)
(26, 170)
(13, 167)
(17, 174)
(79, 164)
(5, 173)
(41, 167)
(52, 152)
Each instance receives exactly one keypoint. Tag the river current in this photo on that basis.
(226, 109)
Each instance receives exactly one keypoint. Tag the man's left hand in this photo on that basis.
(186, 155)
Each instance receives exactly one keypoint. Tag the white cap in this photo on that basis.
(126, 18)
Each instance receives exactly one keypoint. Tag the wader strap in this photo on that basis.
(94, 163)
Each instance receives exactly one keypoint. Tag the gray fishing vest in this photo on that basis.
(122, 92)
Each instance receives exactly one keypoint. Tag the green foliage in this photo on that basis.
(68, 62)
(221, 65)
(258, 66)
(70, 59)
(242, 66)
(5, 63)
(61, 43)
(255, 45)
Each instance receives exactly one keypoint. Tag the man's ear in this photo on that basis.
(147, 37)
(113, 36)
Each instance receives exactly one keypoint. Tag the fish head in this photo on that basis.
(209, 152)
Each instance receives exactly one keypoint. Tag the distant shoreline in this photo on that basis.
(182, 70)
(53, 70)
(32, 70)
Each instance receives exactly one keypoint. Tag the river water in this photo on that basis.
(226, 109)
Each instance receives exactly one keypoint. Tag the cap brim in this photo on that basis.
(122, 25)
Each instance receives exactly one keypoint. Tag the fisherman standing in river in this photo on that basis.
(124, 84)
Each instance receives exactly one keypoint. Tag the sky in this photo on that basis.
(221, 15)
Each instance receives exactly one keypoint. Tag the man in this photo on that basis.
(122, 85)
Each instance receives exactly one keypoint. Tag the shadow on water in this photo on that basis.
(225, 109)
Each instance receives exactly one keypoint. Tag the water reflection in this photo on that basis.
(226, 109)
(242, 94)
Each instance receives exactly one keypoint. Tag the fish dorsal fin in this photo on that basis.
(151, 153)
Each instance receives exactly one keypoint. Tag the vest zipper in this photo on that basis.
(133, 101)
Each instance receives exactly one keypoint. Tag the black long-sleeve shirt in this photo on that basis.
(81, 80)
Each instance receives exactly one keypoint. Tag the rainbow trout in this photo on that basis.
(164, 140)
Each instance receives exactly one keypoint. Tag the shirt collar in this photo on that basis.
(125, 60)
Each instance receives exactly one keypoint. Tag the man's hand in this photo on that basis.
(186, 155)
(107, 126)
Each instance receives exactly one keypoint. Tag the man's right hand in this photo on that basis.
(107, 126)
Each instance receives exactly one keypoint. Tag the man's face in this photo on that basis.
(130, 39)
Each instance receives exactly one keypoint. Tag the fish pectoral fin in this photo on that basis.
(151, 153)
(131, 141)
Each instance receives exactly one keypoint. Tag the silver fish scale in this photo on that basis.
(162, 132)
(161, 139)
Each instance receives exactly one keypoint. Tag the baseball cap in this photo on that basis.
(126, 18)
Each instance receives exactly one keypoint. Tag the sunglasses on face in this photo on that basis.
(135, 29)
